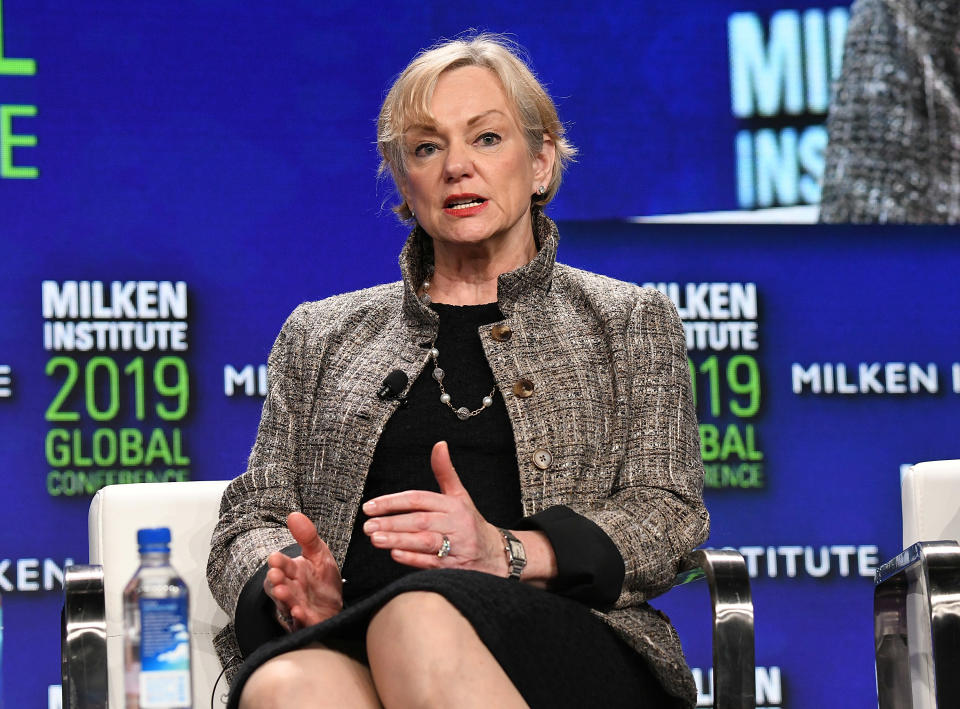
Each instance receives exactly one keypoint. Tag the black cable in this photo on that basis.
(213, 694)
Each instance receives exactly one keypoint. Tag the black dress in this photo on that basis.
(555, 651)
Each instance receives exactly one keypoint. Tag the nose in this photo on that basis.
(458, 163)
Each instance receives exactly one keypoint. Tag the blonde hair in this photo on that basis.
(408, 102)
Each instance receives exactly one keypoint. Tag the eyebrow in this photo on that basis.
(432, 128)
(479, 117)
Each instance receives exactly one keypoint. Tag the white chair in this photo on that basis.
(916, 611)
(92, 640)
(190, 510)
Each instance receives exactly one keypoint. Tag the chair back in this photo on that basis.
(190, 510)
(930, 497)
(930, 500)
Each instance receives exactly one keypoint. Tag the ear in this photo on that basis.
(543, 163)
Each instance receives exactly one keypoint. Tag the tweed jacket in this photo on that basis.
(611, 403)
(893, 153)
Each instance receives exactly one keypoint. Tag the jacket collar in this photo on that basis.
(523, 286)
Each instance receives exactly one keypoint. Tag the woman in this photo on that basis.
(548, 438)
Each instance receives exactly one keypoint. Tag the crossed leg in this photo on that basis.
(422, 652)
(315, 676)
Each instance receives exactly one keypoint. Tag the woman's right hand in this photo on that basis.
(306, 589)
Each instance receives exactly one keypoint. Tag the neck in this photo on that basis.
(466, 274)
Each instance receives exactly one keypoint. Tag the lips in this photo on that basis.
(460, 202)
(464, 205)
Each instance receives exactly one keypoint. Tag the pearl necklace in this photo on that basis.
(463, 413)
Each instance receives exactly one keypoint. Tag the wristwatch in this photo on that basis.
(516, 557)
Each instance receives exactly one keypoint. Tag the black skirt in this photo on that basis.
(554, 650)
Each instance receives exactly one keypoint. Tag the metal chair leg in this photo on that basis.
(734, 663)
(933, 570)
(83, 641)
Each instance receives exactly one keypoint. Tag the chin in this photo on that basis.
(466, 233)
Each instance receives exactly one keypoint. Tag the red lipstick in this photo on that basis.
(464, 205)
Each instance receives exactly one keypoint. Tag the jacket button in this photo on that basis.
(522, 388)
(542, 458)
(501, 333)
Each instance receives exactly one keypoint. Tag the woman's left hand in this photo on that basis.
(414, 524)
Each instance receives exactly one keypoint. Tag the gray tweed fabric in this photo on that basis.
(611, 403)
(894, 126)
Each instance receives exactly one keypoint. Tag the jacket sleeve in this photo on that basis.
(589, 565)
(255, 505)
(654, 513)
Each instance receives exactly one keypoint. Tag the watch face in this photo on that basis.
(517, 552)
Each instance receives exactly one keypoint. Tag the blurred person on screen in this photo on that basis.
(893, 151)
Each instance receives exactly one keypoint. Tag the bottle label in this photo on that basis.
(164, 653)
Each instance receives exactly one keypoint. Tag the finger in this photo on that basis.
(409, 522)
(305, 533)
(407, 501)
(417, 559)
(282, 596)
(282, 562)
(275, 577)
(283, 567)
(268, 586)
(422, 542)
(444, 471)
(304, 616)
(300, 617)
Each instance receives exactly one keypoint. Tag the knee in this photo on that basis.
(270, 685)
(416, 632)
(411, 620)
(313, 676)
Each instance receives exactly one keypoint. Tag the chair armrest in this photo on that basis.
(734, 664)
(83, 639)
(933, 570)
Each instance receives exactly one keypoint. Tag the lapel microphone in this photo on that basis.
(392, 385)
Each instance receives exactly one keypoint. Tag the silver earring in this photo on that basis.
(541, 190)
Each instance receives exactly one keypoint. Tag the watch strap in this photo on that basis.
(516, 556)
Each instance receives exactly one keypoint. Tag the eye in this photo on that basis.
(488, 140)
(425, 150)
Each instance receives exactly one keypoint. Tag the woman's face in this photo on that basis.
(469, 176)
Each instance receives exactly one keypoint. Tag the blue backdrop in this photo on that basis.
(229, 146)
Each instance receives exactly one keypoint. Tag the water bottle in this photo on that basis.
(156, 650)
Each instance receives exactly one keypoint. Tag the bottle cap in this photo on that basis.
(156, 539)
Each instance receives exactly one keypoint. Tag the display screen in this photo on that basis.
(176, 177)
